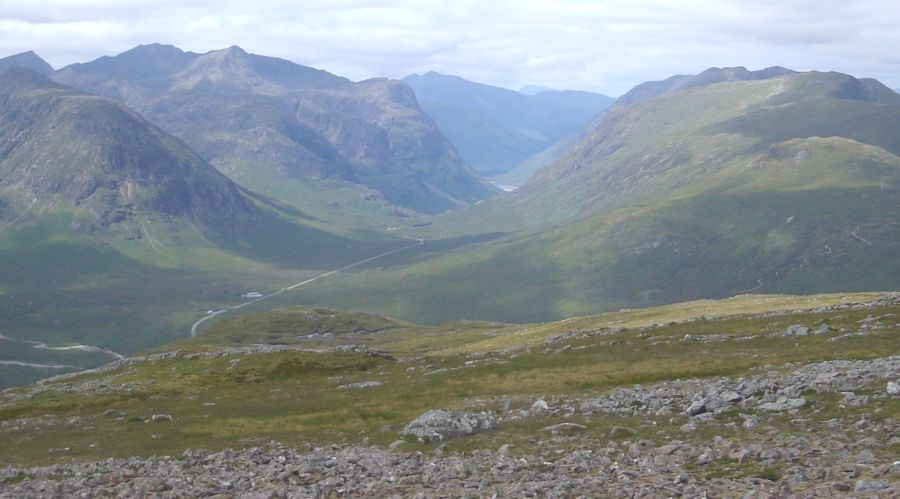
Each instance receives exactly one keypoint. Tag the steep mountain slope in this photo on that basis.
(664, 145)
(28, 60)
(281, 129)
(115, 234)
(495, 129)
(783, 184)
(59, 145)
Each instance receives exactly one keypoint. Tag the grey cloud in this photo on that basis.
(587, 44)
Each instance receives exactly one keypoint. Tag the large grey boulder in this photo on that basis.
(893, 388)
(442, 424)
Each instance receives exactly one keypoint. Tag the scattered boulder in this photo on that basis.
(687, 427)
(361, 384)
(621, 431)
(796, 330)
(893, 388)
(364, 350)
(869, 485)
(706, 458)
(441, 424)
(824, 328)
(731, 397)
(540, 406)
(565, 428)
(750, 422)
(697, 407)
(784, 404)
(161, 418)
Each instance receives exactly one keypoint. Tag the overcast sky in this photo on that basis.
(604, 46)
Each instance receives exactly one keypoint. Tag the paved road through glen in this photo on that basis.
(419, 242)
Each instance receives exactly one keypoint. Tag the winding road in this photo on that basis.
(419, 242)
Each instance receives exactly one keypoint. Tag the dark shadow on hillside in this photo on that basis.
(277, 205)
(867, 122)
(452, 243)
(717, 246)
(269, 237)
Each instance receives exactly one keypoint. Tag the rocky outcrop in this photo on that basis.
(441, 424)
(837, 467)
(699, 399)
(845, 456)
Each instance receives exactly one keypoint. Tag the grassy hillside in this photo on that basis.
(117, 235)
(777, 185)
(242, 400)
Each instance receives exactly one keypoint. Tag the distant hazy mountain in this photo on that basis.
(58, 145)
(28, 60)
(268, 123)
(534, 89)
(650, 89)
(495, 129)
(783, 184)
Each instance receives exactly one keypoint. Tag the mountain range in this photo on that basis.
(124, 234)
(140, 191)
(277, 127)
(778, 182)
(197, 244)
(496, 129)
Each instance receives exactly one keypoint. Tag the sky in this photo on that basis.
(602, 46)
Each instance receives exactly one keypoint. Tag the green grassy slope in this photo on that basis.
(293, 397)
(117, 235)
(788, 184)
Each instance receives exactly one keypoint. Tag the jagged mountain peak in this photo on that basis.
(28, 60)
(233, 69)
(247, 113)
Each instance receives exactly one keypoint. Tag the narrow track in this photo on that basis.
(419, 242)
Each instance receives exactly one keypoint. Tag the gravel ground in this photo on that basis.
(840, 457)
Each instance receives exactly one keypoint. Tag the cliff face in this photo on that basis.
(60, 145)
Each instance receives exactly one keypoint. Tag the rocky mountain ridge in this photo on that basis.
(28, 60)
(710, 76)
(260, 118)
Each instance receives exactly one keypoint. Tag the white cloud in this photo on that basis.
(597, 45)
